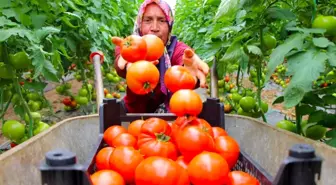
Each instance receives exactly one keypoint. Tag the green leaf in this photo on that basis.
(8, 12)
(316, 116)
(332, 55)
(278, 55)
(331, 142)
(5, 4)
(43, 66)
(311, 62)
(6, 22)
(293, 96)
(312, 99)
(254, 50)
(322, 42)
(227, 9)
(278, 100)
(43, 32)
(331, 133)
(307, 30)
(329, 120)
(38, 20)
(305, 109)
(280, 13)
(36, 86)
(6, 33)
(329, 99)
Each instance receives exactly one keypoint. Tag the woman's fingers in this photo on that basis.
(202, 79)
(122, 63)
(116, 41)
(188, 53)
(203, 67)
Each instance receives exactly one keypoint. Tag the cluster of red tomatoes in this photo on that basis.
(153, 151)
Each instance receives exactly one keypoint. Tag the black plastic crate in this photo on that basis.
(60, 166)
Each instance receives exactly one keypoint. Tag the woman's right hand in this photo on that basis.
(122, 63)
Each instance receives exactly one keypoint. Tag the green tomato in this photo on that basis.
(325, 22)
(35, 115)
(34, 105)
(220, 83)
(243, 113)
(269, 41)
(109, 77)
(236, 97)
(6, 71)
(82, 100)
(60, 89)
(83, 92)
(247, 103)
(40, 128)
(20, 60)
(6, 95)
(116, 79)
(316, 132)
(286, 125)
(13, 130)
(16, 99)
(67, 86)
(33, 96)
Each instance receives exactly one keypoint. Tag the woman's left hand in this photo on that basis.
(196, 66)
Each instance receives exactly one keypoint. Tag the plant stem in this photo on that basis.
(6, 107)
(25, 106)
(237, 80)
(259, 76)
(298, 118)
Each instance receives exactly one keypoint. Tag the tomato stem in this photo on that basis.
(7, 105)
(259, 75)
(25, 105)
(162, 137)
(146, 85)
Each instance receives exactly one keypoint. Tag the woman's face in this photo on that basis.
(154, 22)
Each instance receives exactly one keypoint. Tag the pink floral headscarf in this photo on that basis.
(169, 17)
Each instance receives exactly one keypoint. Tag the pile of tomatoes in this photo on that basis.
(183, 152)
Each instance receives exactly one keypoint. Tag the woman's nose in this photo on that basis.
(155, 26)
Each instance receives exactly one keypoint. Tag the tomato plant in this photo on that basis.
(178, 77)
(142, 77)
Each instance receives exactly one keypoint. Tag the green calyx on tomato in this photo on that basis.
(286, 125)
(20, 60)
(326, 22)
(270, 41)
(13, 130)
(6, 71)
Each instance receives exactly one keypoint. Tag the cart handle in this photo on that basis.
(97, 58)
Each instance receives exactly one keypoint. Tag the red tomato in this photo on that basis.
(218, 131)
(67, 101)
(155, 47)
(124, 139)
(135, 127)
(107, 177)
(133, 48)
(159, 170)
(193, 140)
(124, 160)
(142, 77)
(103, 158)
(241, 178)
(182, 122)
(183, 163)
(186, 102)
(111, 132)
(208, 168)
(178, 77)
(154, 139)
(228, 148)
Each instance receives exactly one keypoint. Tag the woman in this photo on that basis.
(155, 17)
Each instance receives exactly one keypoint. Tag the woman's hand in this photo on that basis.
(122, 63)
(196, 66)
